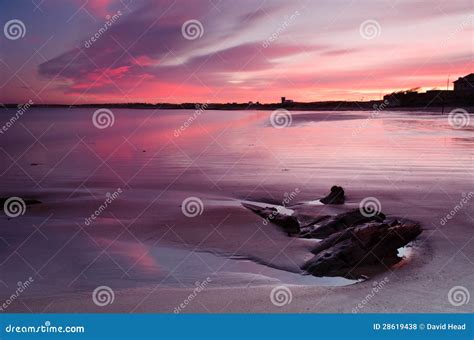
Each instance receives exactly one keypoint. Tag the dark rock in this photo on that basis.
(336, 196)
(338, 223)
(308, 221)
(289, 224)
(346, 252)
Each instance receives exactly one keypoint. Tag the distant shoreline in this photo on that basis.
(296, 106)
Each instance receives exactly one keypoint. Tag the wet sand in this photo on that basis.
(152, 255)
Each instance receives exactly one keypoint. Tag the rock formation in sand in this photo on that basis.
(346, 252)
(289, 224)
(336, 196)
(328, 225)
(352, 242)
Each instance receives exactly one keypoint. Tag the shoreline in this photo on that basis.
(376, 105)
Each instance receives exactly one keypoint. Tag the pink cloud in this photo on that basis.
(318, 56)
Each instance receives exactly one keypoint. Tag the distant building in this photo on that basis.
(286, 101)
(416, 99)
(464, 86)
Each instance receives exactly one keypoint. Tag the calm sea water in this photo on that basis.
(148, 162)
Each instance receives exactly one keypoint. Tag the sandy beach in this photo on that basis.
(153, 255)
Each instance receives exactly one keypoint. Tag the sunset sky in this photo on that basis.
(319, 50)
